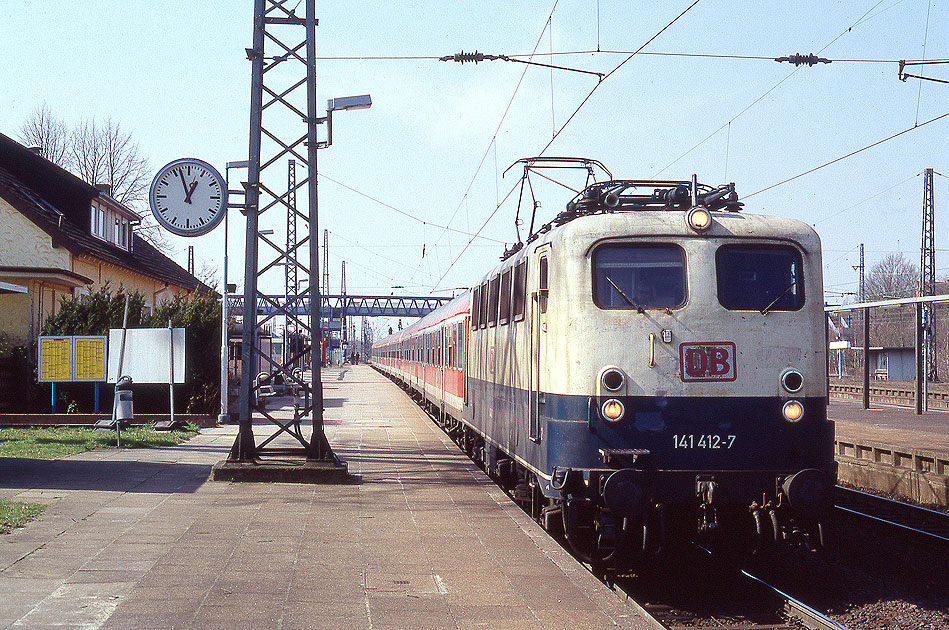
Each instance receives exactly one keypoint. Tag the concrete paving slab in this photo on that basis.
(418, 537)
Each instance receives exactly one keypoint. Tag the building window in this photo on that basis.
(97, 222)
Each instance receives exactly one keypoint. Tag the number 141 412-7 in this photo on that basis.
(703, 441)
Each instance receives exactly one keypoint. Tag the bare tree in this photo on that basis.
(892, 277)
(99, 153)
(48, 133)
(105, 154)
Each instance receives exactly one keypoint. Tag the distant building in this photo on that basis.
(61, 236)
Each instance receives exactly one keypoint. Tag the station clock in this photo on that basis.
(188, 197)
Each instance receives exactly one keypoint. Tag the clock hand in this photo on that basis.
(185, 184)
(190, 190)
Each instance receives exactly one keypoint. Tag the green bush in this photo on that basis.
(95, 313)
(200, 316)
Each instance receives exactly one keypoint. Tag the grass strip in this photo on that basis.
(17, 514)
(55, 442)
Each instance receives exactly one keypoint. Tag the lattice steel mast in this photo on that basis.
(927, 272)
(291, 286)
(269, 145)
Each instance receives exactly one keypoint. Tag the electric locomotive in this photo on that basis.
(649, 368)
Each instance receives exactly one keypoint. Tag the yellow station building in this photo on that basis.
(61, 236)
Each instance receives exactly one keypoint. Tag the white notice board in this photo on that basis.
(147, 354)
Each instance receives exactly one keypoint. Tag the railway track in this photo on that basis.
(920, 524)
(725, 599)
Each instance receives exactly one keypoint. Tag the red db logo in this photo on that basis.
(707, 361)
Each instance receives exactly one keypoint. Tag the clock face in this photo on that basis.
(188, 197)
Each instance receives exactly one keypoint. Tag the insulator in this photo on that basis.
(799, 60)
(473, 57)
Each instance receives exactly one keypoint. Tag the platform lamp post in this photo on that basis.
(319, 446)
(225, 416)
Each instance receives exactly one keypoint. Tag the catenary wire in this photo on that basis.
(767, 92)
(497, 130)
(685, 55)
(851, 154)
(564, 126)
(403, 212)
(860, 203)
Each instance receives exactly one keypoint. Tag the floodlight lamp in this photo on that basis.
(363, 101)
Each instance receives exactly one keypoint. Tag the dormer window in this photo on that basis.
(110, 225)
(97, 222)
(122, 232)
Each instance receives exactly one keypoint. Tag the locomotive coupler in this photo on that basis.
(706, 491)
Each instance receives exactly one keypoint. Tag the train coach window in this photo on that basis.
(483, 307)
(519, 291)
(627, 276)
(504, 314)
(759, 278)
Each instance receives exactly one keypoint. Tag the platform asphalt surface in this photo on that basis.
(890, 424)
(419, 538)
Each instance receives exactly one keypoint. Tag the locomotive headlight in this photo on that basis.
(612, 410)
(792, 411)
(699, 219)
(792, 381)
(613, 379)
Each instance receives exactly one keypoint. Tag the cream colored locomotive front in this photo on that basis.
(647, 345)
(695, 383)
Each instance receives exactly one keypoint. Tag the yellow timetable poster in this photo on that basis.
(78, 358)
(55, 355)
(90, 359)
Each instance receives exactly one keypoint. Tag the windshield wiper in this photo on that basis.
(623, 295)
(766, 309)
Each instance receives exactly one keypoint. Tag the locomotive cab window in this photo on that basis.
(627, 276)
(760, 278)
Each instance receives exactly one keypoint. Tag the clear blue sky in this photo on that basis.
(175, 75)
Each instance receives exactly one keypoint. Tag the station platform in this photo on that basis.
(418, 538)
(892, 450)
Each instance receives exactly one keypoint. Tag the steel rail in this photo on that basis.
(811, 618)
(939, 533)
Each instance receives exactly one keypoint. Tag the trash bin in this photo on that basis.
(123, 400)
